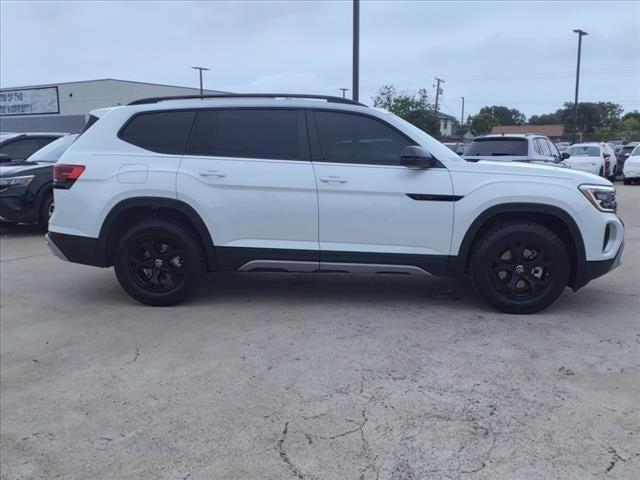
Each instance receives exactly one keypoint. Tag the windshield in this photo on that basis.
(53, 151)
(500, 146)
(584, 151)
(425, 140)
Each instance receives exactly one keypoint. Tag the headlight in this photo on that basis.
(601, 196)
(16, 181)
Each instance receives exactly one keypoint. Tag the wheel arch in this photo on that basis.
(131, 209)
(555, 218)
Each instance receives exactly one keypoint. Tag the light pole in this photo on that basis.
(355, 90)
(344, 92)
(580, 33)
(462, 116)
(200, 69)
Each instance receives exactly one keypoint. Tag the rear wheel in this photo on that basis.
(46, 210)
(520, 268)
(159, 262)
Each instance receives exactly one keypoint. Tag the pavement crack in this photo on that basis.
(285, 456)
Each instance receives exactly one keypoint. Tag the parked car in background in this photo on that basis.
(631, 169)
(26, 186)
(621, 157)
(562, 146)
(295, 184)
(528, 148)
(459, 147)
(589, 157)
(19, 146)
(610, 163)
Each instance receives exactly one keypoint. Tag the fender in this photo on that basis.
(155, 203)
(457, 264)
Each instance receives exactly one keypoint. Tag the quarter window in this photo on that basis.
(162, 132)
(250, 133)
(349, 138)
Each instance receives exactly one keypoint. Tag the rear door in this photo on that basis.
(249, 173)
(372, 209)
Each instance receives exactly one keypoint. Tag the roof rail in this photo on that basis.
(328, 98)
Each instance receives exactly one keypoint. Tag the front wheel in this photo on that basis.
(520, 268)
(46, 210)
(159, 262)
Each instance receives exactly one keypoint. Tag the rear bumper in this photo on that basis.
(76, 249)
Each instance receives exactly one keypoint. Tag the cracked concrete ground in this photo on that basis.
(273, 376)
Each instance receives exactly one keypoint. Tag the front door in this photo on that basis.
(372, 210)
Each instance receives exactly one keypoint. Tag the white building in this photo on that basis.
(447, 124)
(63, 107)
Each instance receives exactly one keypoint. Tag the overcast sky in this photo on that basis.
(519, 54)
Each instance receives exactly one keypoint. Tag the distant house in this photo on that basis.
(447, 124)
(554, 132)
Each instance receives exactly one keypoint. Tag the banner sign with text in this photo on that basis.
(29, 101)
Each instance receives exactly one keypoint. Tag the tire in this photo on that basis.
(520, 268)
(626, 181)
(601, 172)
(159, 262)
(46, 210)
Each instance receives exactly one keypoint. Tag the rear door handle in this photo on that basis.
(212, 173)
(333, 179)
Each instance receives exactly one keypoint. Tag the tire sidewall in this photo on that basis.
(193, 258)
(495, 241)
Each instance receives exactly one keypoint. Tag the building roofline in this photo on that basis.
(43, 85)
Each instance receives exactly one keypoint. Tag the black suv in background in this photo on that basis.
(26, 186)
(19, 146)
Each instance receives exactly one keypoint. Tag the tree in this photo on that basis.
(483, 123)
(505, 115)
(634, 114)
(545, 119)
(414, 107)
(425, 120)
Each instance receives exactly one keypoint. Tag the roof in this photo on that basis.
(446, 116)
(546, 130)
(106, 80)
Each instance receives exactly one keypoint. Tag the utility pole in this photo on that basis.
(438, 91)
(344, 92)
(200, 69)
(356, 51)
(580, 33)
(462, 116)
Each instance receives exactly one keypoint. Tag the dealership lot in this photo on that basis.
(314, 376)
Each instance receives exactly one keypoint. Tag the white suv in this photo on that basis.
(165, 189)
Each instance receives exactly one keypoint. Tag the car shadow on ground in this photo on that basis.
(17, 230)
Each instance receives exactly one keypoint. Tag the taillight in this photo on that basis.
(64, 176)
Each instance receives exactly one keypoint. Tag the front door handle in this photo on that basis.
(212, 173)
(333, 179)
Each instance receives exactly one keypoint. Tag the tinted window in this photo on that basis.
(495, 147)
(23, 148)
(358, 139)
(250, 133)
(162, 132)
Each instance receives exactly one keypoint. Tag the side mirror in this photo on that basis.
(606, 156)
(565, 155)
(416, 157)
(5, 157)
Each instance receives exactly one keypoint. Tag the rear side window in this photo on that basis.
(496, 147)
(250, 133)
(349, 138)
(161, 132)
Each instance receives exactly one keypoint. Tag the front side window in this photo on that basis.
(250, 133)
(161, 132)
(349, 138)
(552, 148)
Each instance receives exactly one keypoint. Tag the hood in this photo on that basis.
(14, 169)
(530, 169)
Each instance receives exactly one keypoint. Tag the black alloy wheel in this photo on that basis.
(520, 267)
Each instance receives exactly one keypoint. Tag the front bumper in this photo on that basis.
(595, 269)
(18, 206)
